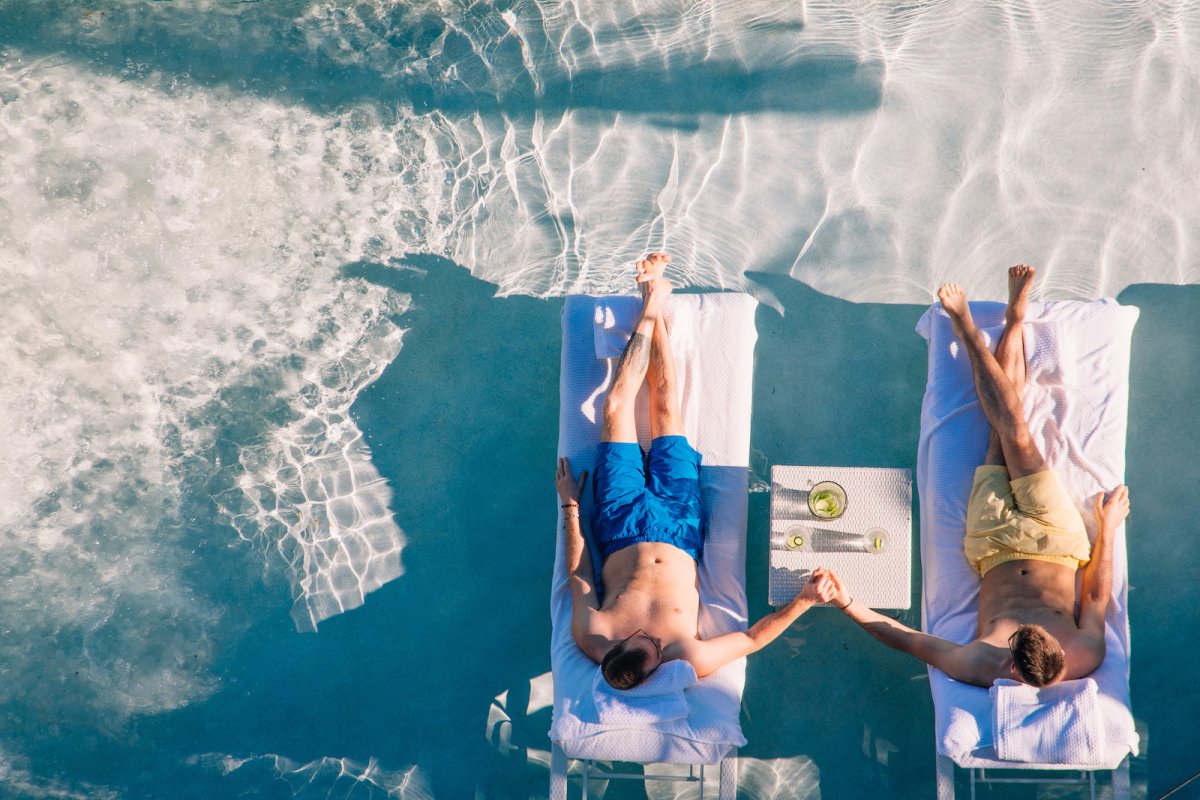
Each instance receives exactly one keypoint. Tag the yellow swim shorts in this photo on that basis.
(1028, 518)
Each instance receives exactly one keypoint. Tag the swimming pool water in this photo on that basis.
(281, 286)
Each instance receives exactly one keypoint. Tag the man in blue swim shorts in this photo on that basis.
(647, 524)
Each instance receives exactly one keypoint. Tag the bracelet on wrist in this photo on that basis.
(572, 504)
(848, 602)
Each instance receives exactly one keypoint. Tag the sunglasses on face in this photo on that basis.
(647, 637)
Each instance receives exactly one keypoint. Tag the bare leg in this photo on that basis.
(619, 424)
(666, 419)
(1010, 350)
(997, 396)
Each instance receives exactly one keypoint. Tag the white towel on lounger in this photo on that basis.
(1056, 724)
(657, 699)
(613, 325)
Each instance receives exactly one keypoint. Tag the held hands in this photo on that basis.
(826, 587)
(822, 587)
(569, 489)
(1110, 515)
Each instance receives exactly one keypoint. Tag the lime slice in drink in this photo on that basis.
(876, 540)
(826, 504)
(827, 500)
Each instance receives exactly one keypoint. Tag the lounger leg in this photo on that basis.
(729, 768)
(558, 772)
(945, 777)
(1120, 780)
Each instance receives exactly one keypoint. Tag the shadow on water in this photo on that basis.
(403, 57)
(463, 425)
(1163, 536)
(838, 384)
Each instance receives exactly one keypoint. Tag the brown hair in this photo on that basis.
(1037, 656)
(624, 667)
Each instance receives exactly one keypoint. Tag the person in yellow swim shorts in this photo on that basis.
(1024, 535)
(1026, 518)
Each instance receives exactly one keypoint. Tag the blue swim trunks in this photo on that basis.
(647, 498)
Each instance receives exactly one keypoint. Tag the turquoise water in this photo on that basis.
(281, 295)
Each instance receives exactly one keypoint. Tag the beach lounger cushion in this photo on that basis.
(1076, 403)
(712, 337)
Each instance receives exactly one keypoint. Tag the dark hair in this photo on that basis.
(625, 667)
(1037, 656)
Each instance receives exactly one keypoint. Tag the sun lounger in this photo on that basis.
(1077, 402)
(712, 337)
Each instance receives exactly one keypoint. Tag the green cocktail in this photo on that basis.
(827, 500)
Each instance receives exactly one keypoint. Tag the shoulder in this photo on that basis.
(978, 663)
(1085, 653)
(709, 655)
(685, 649)
(594, 646)
(593, 634)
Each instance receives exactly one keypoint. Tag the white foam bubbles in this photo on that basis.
(183, 348)
(18, 781)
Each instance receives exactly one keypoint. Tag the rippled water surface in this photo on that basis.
(279, 291)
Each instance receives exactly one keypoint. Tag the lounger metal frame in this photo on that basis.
(727, 778)
(946, 765)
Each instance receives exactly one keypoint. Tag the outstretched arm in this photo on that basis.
(710, 655)
(1097, 575)
(586, 628)
(958, 661)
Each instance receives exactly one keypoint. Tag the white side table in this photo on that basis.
(869, 546)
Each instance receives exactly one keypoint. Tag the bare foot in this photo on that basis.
(1020, 281)
(652, 266)
(954, 300)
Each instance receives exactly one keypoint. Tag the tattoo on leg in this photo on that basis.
(636, 354)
